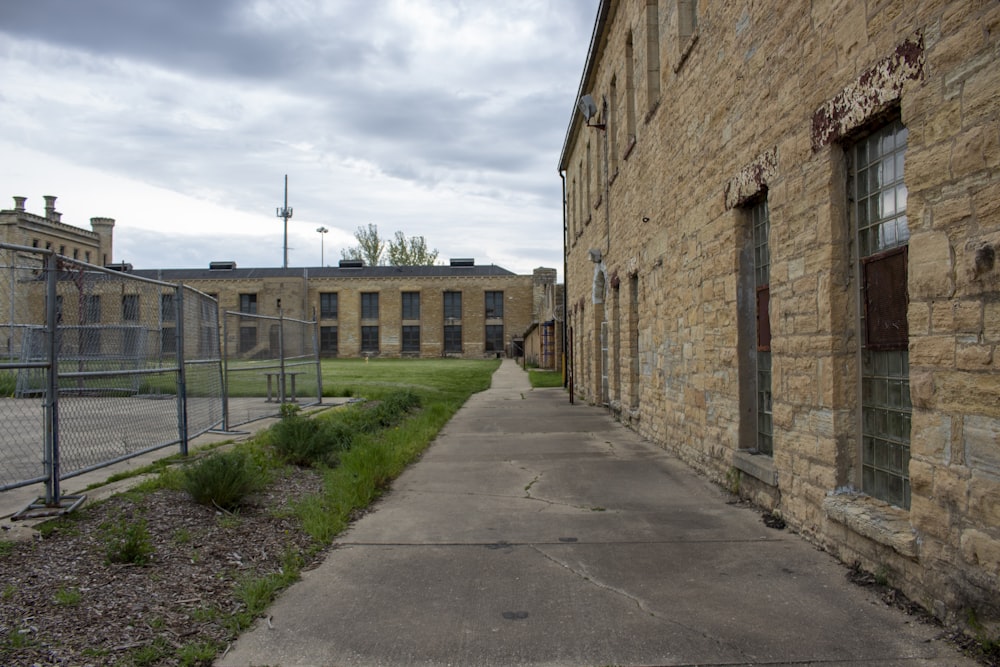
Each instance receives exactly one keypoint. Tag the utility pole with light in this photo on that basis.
(285, 213)
(322, 235)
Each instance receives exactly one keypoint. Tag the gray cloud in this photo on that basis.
(364, 103)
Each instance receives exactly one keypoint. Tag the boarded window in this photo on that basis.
(885, 300)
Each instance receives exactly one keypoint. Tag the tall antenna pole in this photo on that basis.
(285, 213)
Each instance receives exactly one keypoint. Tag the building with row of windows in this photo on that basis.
(781, 228)
(460, 309)
(457, 310)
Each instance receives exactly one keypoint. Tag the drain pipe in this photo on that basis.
(567, 350)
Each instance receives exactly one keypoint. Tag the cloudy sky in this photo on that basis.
(180, 119)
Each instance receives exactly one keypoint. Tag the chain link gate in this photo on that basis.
(98, 366)
(272, 357)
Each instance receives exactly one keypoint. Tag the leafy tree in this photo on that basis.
(411, 251)
(400, 251)
(370, 246)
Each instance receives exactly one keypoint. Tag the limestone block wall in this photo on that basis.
(760, 102)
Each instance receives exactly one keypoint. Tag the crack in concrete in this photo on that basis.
(606, 587)
(638, 602)
(551, 503)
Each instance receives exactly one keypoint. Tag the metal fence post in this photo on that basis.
(319, 361)
(51, 461)
(225, 371)
(182, 428)
(281, 354)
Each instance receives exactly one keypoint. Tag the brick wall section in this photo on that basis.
(763, 98)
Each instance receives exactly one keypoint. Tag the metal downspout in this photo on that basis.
(567, 351)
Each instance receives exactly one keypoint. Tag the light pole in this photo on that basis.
(322, 235)
(285, 213)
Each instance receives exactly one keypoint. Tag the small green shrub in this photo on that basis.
(127, 542)
(294, 439)
(287, 410)
(306, 442)
(68, 597)
(223, 479)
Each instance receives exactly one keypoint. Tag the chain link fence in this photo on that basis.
(98, 366)
(275, 357)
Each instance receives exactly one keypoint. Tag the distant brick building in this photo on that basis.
(782, 222)
(19, 227)
(459, 310)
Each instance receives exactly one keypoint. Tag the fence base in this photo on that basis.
(40, 510)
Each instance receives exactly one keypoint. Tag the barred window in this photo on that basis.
(494, 305)
(761, 223)
(369, 305)
(91, 309)
(328, 305)
(411, 305)
(328, 343)
(453, 338)
(168, 311)
(878, 207)
(494, 338)
(452, 305)
(369, 340)
(168, 340)
(411, 339)
(130, 307)
(248, 304)
(248, 339)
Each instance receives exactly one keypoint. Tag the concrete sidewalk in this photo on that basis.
(533, 532)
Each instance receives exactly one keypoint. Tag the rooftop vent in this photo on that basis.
(351, 263)
(124, 267)
(463, 261)
(221, 266)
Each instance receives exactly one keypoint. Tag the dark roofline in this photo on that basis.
(487, 270)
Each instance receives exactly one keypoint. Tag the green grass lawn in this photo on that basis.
(545, 378)
(433, 379)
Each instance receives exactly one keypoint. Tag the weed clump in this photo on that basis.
(223, 480)
(127, 542)
(303, 441)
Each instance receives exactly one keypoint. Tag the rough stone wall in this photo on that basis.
(762, 100)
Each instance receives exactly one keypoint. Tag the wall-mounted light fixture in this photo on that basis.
(588, 108)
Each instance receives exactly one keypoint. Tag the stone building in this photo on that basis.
(460, 310)
(782, 221)
(19, 227)
(543, 341)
